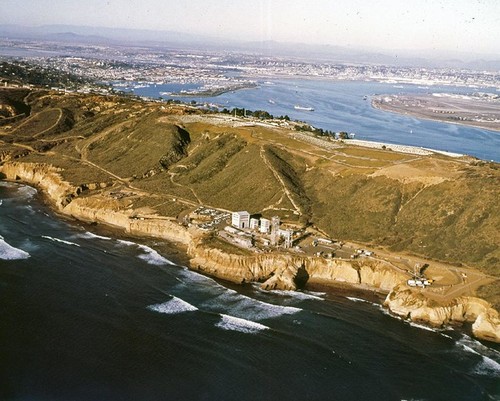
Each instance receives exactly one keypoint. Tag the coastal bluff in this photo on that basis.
(273, 270)
(290, 272)
(414, 305)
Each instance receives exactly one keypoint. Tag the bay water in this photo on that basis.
(346, 106)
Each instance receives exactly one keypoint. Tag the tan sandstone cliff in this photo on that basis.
(288, 272)
(44, 177)
(412, 304)
(96, 208)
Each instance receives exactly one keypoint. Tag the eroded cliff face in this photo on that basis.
(104, 210)
(290, 272)
(44, 177)
(413, 304)
(94, 208)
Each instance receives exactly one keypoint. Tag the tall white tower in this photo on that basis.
(275, 230)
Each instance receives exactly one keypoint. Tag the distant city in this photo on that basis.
(214, 71)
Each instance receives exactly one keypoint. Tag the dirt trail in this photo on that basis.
(53, 125)
(280, 180)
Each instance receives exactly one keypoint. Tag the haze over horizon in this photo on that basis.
(430, 26)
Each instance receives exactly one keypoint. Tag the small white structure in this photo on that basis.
(240, 219)
(265, 224)
(288, 234)
(254, 224)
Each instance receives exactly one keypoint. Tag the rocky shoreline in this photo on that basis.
(273, 270)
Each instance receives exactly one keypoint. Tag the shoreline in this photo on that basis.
(379, 106)
(274, 270)
(409, 149)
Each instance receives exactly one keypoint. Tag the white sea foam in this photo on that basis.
(225, 299)
(354, 299)
(152, 257)
(1, 202)
(127, 243)
(60, 240)
(423, 327)
(295, 294)
(193, 276)
(249, 308)
(490, 358)
(89, 235)
(8, 252)
(26, 192)
(237, 324)
(173, 306)
(387, 312)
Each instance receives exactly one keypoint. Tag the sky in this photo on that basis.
(468, 26)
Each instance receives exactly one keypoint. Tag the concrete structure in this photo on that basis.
(240, 219)
(265, 224)
(275, 230)
(288, 234)
(254, 224)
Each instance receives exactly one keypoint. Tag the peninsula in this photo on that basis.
(479, 109)
(420, 227)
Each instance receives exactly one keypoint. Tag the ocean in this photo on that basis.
(88, 314)
(342, 106)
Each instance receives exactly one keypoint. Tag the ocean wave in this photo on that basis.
(152, 257)
(387, 312)
(199, 278)
(490, 358)
(173, 306)
(300, 295)
(59, 240)
(248, 308)
(423, 327)
(354, 299)
(124, 242)
(89, 235)
(8, 252)
(237, 324)
(26, 192)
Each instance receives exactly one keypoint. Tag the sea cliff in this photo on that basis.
(414, 305)
(274, 270)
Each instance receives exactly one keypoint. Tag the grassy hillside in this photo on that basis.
(431, 206)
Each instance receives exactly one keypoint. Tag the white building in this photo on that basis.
(265, 224)
(254, 224)
(240, 219)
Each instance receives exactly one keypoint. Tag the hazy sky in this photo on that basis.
(453, 25)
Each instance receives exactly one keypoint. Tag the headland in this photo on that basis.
(371, 218)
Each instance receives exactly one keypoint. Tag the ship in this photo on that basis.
(297, 107)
